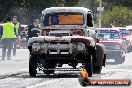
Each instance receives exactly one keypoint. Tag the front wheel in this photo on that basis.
(88, 65)
(32, 66)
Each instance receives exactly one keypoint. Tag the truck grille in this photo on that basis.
(59, 42)
(59, 34)
(109, 46)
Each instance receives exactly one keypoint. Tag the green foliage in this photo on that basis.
(116, 12)
(118, 16)
(124, 3)
(71, 3)
(27, 10)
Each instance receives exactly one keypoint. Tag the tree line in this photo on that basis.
(27, 10)
(116, 12)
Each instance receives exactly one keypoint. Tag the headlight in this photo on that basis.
(36, 46)
(117, 46)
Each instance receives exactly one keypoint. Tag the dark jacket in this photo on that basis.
(33, 31)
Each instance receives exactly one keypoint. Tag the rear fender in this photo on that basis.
(100, 55)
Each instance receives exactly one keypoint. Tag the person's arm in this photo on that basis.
(29, 31)
(1, 31)
(19, 30)
(15, 30)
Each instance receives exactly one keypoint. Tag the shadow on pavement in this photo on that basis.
(55, 75)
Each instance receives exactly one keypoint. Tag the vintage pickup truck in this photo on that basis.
(67, 37)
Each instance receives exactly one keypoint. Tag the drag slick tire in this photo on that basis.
(32, 66)
(88, 65)
(97, 69)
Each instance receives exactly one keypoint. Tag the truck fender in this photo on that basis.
(100, 55)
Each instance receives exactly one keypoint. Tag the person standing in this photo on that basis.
(17, 26)
(33, 29)
(8, 37)
(1, 30)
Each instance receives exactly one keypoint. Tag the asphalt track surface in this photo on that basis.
(14, 74)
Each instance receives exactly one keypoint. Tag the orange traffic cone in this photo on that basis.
(84, 81)
(84, 73)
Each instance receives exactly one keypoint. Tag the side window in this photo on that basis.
(89, 20)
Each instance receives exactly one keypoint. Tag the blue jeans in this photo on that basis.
(14, 45)
(7, 44)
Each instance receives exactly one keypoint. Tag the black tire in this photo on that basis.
(97, 69)
(88, 65)
(84, 81)
(104, 60)
(99, 54)
(32, 66)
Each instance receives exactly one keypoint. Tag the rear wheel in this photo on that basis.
(97, 69)
(32, 66)
(88, 65)
(99, 55)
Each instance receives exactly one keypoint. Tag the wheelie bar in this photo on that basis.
(41, 68)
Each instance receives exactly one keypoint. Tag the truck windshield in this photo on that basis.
(64, 18)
